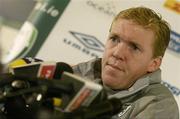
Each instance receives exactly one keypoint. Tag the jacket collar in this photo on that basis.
(143, 82)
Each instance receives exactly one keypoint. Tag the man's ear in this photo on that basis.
(155, 64)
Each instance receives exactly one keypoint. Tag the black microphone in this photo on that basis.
(40, 69)
(60, 68)
(81, 88)
(75, 91)
(18, 101)
(18, 87)
(34, 68)
(78, 98)
(25, 65)
(25, 101)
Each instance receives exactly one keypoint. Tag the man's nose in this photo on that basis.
(120, 51)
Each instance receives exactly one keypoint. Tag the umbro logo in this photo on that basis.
(86, 44)
(88, 41)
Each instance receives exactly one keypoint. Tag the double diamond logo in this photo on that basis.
(88, 41)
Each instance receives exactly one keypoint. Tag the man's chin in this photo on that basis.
(109, 81)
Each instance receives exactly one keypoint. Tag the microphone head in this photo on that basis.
(26, 66)
(23, 61)
(60, 68)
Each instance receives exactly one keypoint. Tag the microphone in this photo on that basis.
(28, 101)
(23, 61)
(83, 92)
(73, 90)
(53, 71)
(79, 99)
(36, 68)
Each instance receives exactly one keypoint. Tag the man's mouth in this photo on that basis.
(115, 67)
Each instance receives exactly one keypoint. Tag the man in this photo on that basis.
(130, 67)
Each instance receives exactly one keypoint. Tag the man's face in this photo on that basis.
(128, 54)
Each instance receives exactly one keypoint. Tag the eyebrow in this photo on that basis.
(134, 43)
